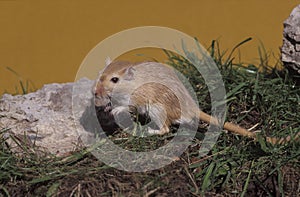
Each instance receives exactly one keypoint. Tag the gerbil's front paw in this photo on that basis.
(122, 117)
(118, 110)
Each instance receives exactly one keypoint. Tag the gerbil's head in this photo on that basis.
(112, 80)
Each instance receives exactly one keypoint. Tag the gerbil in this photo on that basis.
(154, 88)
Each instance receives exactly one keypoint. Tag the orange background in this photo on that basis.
(46, 41)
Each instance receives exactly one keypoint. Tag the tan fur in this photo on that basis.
(154, 84)
(167, 98)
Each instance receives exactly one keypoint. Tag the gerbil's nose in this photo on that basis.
(99, 90)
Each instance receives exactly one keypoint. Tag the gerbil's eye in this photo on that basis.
(114, 79)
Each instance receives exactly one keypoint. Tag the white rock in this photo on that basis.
(46, 116)
(290, 51)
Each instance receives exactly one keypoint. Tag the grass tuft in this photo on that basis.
(25, 86)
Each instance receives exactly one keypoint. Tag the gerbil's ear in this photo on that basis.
(107, 61)
(129, 73)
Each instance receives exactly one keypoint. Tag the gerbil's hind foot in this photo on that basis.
(162, 131)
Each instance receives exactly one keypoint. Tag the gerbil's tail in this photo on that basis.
(228, 125)
(244, 132)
